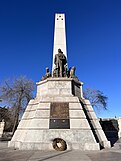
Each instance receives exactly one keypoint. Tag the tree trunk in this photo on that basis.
(17, 107)
(16, 120)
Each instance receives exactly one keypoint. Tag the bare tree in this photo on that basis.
(5, 114)
(97, 99)
(17, 93)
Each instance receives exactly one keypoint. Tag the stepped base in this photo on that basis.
(48, 146)
(58, 112)
(43, 140)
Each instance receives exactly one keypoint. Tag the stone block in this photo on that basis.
(75, 106)
(101, 136)
(43, 106)
(106, 144)
(91, 115)
(91, 146)
(119, 127)
(69, 135)
(76, 114)
(48, 99)
(24, 123)
(2, 124)
(96, 124)
(85, 102)
(88, 108)
(11, 143)
(53, 91)
(33, 107)
(28, 114)
(39, 123)
(79, 124)
(34, 135)
(75, 146)
(42, 113)
(77, 92)
(29, 107)
(60, 92)
(58, 84)
(65, 92)
(34, 101)
(18, 136)
(31, 102)
(42, 89)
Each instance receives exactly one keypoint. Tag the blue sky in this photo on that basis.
(93, 30)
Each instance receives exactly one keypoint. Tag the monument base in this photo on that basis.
(59, 112)
(43, 140)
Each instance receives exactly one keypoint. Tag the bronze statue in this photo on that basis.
(60, 64)
(47, 75)
(72, 72)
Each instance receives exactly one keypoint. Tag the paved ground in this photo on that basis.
(9, 154)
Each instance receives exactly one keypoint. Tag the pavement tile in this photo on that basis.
(106, 156)
(11, 154)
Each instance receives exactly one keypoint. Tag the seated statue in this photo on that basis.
(47, 75)
(72, 73)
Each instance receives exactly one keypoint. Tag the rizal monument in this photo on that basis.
(59, 117)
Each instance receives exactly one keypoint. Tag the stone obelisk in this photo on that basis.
(59, 36)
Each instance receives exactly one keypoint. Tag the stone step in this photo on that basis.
(117, 146)
(119, 140)
(3, 144)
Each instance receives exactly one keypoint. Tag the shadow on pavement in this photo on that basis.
(61, 153)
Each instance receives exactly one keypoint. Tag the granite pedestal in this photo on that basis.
(35, 131)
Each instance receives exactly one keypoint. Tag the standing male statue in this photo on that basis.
(60, 64)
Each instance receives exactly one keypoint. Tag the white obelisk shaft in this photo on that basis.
(59, 36)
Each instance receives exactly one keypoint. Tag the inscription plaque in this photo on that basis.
(59, 115)
(59, 110)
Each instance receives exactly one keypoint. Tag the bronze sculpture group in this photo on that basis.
(60, 69)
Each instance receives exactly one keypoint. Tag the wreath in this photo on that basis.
(59, 144)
